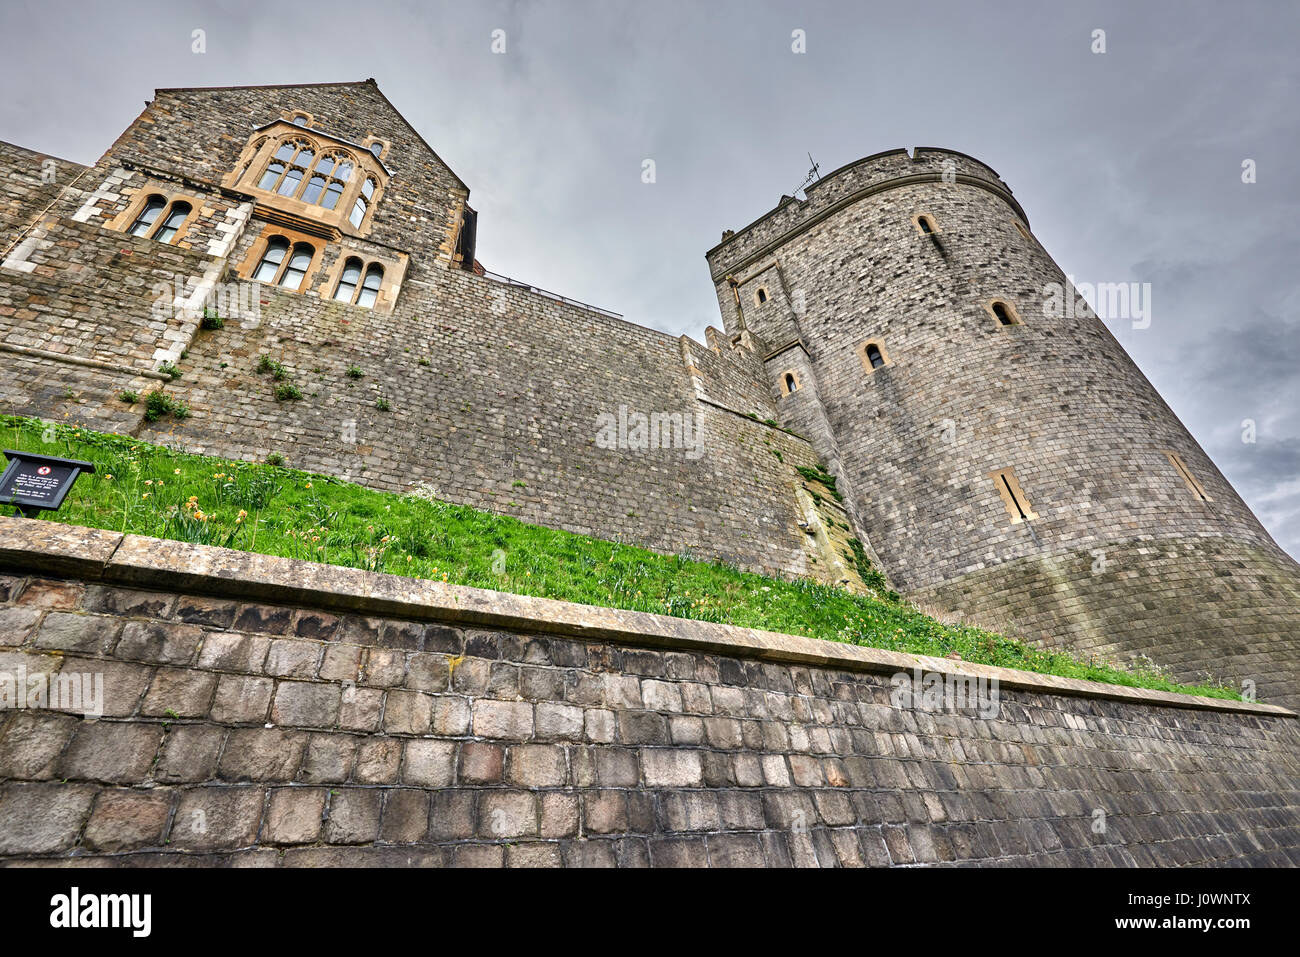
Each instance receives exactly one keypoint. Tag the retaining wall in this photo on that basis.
(270, 712)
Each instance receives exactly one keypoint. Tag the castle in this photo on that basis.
(996, 460)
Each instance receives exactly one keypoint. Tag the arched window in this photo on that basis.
(761, 295)
(271, 259)
(1004, 313)
(348, 280)
(376, 149)
(296, 269)
(289, 168)
(171, 224)
(926, 226)
(148, 215)
(873, 355)
(359, 208)
(325, 186)
(370, 288)
(791, 383)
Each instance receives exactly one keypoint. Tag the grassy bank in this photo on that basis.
(156, 491)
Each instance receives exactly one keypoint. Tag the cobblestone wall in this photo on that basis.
(259, 733)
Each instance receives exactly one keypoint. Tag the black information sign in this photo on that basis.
(34, 482)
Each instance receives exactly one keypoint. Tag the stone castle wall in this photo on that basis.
(268, 712)
(495, 391)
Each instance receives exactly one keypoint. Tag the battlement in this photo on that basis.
(846, 185)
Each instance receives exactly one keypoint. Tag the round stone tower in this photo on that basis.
(996, 446)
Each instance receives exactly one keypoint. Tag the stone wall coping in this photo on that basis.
(34, 546)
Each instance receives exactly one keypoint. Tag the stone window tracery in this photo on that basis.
(313, 176)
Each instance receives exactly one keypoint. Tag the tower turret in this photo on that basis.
(997, 446)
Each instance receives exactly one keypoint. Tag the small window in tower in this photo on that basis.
(1003, 312)
(1013, 497)
(148, 216)
(760, 296)
(873, 355)
(1185, 473)
(925, 224)
(1022, 229)
(789, 382)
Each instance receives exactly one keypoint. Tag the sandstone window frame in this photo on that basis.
(1013, 496)
(389, 286)
(258, 249)
(370, 142)
(262, 158)
(862, 353)
(929, 220)
(293, 116)
(1012, 313)
(1023, 230)
(790, 382)
(1186, 475)
(125, 220)
(761, 296)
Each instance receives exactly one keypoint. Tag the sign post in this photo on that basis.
(38, 482)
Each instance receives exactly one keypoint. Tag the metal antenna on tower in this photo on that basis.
(814, 174)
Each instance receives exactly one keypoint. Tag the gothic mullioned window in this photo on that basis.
(152, 223)
(350, 279)
(281, 266)
(327, 179)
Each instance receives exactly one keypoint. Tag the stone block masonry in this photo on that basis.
(265, 711)
(489, 393)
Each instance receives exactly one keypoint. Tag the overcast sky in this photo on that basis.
(1128, 162)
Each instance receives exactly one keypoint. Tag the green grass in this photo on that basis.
(164, 493)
